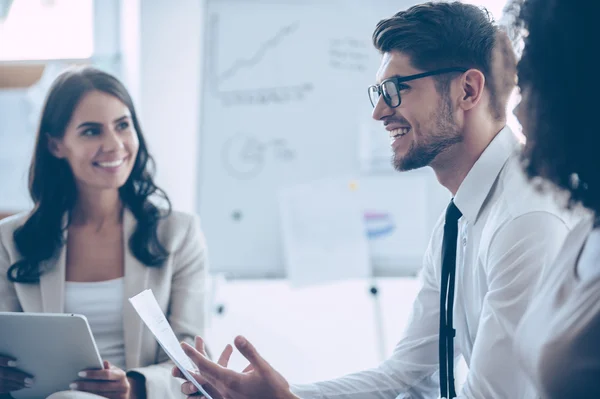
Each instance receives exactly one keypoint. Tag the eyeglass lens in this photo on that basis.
(390, 92)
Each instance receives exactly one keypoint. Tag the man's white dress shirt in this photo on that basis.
(508, 233)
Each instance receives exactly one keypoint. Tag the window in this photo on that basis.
(46, 29)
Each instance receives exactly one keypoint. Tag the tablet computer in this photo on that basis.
(53, 347)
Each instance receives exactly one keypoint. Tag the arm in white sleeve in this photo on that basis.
(415, 359)
(516, 258)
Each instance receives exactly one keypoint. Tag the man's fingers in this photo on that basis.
(175, 372)
(250, 353)
(248, 368)
(211, 371)
(199, 344)
(201, 380)
(187, 388)
(225, 356)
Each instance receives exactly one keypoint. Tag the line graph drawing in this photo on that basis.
(244, 156)
(260, 53)
(266, 95)
(255, 96)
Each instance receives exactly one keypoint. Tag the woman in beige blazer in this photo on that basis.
(97, 236)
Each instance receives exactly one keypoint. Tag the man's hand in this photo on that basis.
(190, 389)
(258, 380)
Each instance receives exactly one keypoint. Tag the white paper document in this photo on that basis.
(151, 314)
(323, 232)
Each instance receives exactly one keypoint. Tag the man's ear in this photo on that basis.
(472, 85)
(54, 146)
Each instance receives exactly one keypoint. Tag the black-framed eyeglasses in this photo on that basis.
(390, 88)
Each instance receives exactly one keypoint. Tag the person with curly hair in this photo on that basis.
(558, 340)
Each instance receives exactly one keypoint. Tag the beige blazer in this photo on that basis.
(179, 287)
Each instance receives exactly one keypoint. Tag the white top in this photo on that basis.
(508, 233)
(557, 341)
(102, 304)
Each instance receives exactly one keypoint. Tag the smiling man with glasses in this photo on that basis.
(442, 90)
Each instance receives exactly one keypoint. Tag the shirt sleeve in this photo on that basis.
(517, 255)
(410, 371)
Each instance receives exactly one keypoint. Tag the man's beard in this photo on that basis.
(443, 135)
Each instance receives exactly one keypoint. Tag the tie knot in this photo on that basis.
(452, 213)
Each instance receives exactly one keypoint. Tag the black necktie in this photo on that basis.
(447, 332)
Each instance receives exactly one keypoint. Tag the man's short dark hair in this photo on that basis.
(440, 35)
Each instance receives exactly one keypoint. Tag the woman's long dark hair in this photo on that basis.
(559, 68)
(52, 184)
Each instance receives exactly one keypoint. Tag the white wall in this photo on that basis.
(169, 92)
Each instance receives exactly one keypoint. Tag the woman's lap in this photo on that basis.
(74, 395)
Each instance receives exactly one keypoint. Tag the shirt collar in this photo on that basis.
(477, 184)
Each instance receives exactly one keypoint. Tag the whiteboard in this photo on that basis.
(285, 102)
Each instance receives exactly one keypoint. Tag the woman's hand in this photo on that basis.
(111, 382)
(11, 378)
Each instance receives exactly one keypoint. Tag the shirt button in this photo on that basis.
(464, 241)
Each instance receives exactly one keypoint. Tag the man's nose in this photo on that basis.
(381, 110)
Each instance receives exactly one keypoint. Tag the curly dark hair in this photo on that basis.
(52, 184)
(558, 71)
(448, 34)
